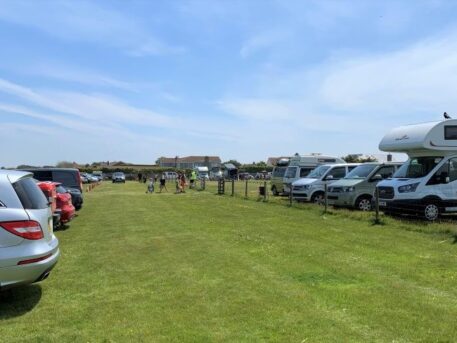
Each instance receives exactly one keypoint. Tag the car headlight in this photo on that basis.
(408, 188)
(348, 189)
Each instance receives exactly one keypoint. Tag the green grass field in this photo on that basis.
(197, 267)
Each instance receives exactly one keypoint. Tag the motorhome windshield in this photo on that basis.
(418, 167)
(290, 172)
(361, 172)
(318, 172)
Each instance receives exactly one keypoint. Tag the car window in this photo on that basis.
(30, 195)
(68, 178)
(386, 171)
(42, 175)
(337, 172)
(305, 171)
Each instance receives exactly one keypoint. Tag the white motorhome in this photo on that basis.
(427, 183)
(301, 166)
(202, 173)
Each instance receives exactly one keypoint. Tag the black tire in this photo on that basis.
(431, 211)
(318, 198)
(363, 203)
(274, 191)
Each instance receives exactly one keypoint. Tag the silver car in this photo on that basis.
(28, 247)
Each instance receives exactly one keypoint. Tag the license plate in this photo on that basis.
(382, 203)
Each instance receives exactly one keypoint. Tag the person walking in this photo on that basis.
(150, 186)
(193, 179)
(162, 183)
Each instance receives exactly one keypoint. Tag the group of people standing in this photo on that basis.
(181, 182)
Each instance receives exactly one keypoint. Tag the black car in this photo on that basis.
(70, 178)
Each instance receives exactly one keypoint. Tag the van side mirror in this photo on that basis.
(376, 177)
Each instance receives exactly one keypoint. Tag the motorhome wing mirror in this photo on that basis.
(376, 177)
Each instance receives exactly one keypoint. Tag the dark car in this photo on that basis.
(70, 178)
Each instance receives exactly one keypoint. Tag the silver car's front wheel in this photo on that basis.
(318, 198)
(431, 212)
(364, 204)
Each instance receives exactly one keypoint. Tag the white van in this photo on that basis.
(312, 187)
(427, 183)
(202, 173)
(301, 166)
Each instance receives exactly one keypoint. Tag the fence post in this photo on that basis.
(264, 191)
(325, 199)
(233, 187)
(246, 189)
(377, 206)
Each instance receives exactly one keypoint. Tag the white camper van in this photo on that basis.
(427, 183)
(202, 173)
(312, 187)
(301, 166)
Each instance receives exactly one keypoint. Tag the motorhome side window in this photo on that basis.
(450, 132)
(418, 167)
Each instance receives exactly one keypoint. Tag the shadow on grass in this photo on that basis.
(18, 301)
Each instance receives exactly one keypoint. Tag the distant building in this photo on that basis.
(190, 162)
(273, 160)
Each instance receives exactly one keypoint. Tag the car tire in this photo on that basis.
(431, 211)
(317, 198)
(274, 191)
(363, 203)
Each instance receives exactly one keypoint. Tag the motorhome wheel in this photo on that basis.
(364, 203)
(431, 212)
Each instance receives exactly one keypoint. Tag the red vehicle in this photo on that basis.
(60, 200)
(64, 204)
(50, 191)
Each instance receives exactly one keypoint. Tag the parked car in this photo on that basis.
(312, 187)
(70, 178)
(171, 175)
(356, 189)
(28, 248)
(64, 204)
(49, 190)
(118, 177)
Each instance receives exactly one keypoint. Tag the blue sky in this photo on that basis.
(136, 80)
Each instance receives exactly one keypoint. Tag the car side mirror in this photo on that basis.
(376, 177)
(329, 177)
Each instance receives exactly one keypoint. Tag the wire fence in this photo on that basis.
(375, 206)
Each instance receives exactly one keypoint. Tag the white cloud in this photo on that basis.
(88, 22)
(416, 78)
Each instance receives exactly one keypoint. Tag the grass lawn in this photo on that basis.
(199, 267)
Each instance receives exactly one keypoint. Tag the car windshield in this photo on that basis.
(361, 172)
(318, 172)
(290, 172)
(417, 167)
